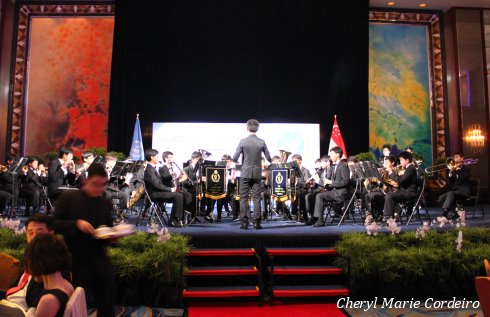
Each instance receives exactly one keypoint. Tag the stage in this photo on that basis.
(287, 233)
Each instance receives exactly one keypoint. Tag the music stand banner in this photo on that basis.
(279, 184)
(215, 182)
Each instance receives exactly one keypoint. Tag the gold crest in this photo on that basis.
(215, 177)
(279, 178)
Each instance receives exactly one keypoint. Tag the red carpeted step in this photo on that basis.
(301, 251)
(221, 291)
(222, 252)
(310, 291)
(307, 270)
(222, 270)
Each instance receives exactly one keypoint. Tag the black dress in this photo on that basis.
(60, 295)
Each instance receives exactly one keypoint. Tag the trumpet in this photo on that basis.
(450, 164)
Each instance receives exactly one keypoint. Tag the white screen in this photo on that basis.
(222, 138)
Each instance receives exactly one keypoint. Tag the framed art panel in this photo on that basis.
(406, 91)
(62, 78)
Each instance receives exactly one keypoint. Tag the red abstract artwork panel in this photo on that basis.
(68, 83)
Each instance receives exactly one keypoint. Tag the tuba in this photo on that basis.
(137, 195)
(284, 155)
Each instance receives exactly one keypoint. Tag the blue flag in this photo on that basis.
(137, 152)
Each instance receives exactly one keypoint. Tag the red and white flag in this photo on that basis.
(336, 138)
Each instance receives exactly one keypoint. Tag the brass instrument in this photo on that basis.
(4, 168)
(140, 191)
(284, 155)
(389, 185)
(450, 164)
(205, 154)
(25, 168)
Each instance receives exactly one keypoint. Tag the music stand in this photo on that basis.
(135, 167)
(120, 169)
(14, 168)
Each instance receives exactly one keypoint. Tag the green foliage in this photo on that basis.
(119, 155)
(9, 240)
(97, 151)
(417, 157)
(364, 156)
(141, 257)
(411, 267)
(51, 155)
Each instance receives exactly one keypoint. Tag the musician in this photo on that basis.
(407, 180)
(265, 188)
(6, 185)
(386, 150)
(375, 195)
(224, 202)
(32, 186)
(281, 208)
(299, 204)
(459, 185)
(191, 184)
(317, 184)
(159, 192)
(118, 186)
(171, 177)
(81, 169)
(338, 184)
(251, 149)
(61, 172)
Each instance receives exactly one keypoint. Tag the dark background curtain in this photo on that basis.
(294, 61)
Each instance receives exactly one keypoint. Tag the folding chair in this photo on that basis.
(154, 208)
(412, 207)
(475, 196)
(347, 204)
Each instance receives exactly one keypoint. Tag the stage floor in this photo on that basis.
(279, 232)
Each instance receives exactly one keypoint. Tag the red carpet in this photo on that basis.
(253, 309)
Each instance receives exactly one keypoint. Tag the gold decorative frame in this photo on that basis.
(18, 93)
(437, 91)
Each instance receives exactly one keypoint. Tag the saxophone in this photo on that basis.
(140, 191)
(389, 185)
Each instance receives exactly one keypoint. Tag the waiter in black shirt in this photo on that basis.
(251, 149)
(77, 214)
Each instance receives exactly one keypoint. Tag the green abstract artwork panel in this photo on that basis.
(399, 89)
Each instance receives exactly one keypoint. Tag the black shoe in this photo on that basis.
(311, 222)
(455, 217)
(244, 226)
(319, 224)
(445, 213)
(175, 223)
(257, 225)
(208, 219)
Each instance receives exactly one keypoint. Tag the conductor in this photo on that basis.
(251, 149)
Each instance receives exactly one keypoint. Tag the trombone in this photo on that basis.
(450, 164)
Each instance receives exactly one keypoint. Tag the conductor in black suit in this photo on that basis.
(251, 149)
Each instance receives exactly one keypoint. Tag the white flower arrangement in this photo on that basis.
(371, 226)
(422, 231)
(393, 226)
(459, 241)
(163, 234)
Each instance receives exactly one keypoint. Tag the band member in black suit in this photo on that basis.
(81, 169)
(32, 186)
(377, 189)
(61, 172)
(407, 180)
(338, 177)
(251, 149)
(171, 177)
(459, 184)
(160, 192)
(190, 184)
(6, 186)
(299, 204)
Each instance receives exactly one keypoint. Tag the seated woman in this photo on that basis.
(46, 257)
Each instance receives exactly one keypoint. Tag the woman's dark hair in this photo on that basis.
(47, 254)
